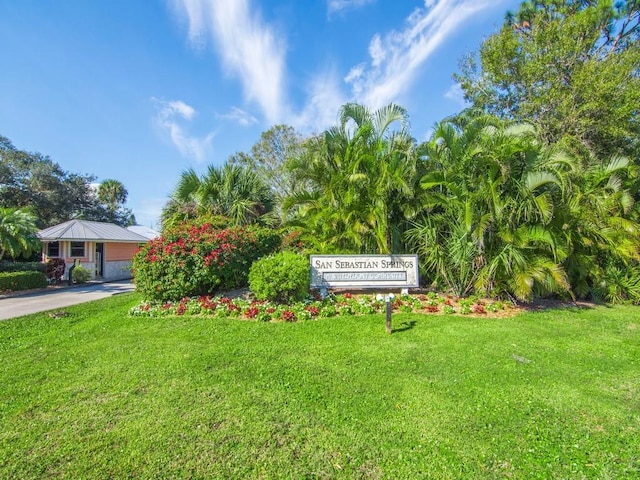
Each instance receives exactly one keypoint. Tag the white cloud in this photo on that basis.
(456, 94)
(249, 48)
(324, 98)
(397, 57)
(339, 6)
(170, 119)
(240, 116)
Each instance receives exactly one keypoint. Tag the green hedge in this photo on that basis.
(282, 277)
(12, 281)
(22, 267)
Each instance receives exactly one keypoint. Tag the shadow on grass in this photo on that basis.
(404, 326)
(552, 304)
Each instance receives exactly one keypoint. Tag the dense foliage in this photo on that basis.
(34, 181)
(54, 269)
(572, 68)
(532, 191)
(504, 215)
(17, 233)
(282, 277)
(356, 182)
(80, 274)
(234, 192)
(22, 267)
(199, 260)
(13, 281)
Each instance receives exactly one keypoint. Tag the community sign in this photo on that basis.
(364, 271)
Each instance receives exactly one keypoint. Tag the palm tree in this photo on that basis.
(233, 191)
(359, 178)
(112, 193)
(17, 233)
(596, 222)
(488, 196)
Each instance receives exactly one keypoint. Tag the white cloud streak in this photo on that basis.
(248, 48)
(340, 6)
(397, 57)
(456, 94)
(239, 116)
(324, 97)
(170, 119)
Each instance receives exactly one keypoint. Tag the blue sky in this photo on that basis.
(141, 90)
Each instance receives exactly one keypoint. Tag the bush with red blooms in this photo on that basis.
(199, 260)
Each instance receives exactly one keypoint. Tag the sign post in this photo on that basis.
(365, 271)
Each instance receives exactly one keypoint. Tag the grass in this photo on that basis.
(99, 394)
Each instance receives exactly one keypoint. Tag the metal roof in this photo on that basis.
(83, 230)
(150, 233)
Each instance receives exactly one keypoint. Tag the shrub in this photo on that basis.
(619, 285)
(54, 269)
(199, 260)
(12, 281)
(80, 274)
(22, 267)
(282, 278)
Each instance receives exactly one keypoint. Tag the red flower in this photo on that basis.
(288, 316)
(313, 310)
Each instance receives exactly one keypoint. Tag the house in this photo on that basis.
(105, 249)
(150, 233)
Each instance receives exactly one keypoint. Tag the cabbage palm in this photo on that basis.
(233, 191)
(112, 193)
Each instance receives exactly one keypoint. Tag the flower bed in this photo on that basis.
(332, 305)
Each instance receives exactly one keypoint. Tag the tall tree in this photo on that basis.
(35, 181)
(571, 67)
(113, 195)
(359, 178)
(17, 233)
(271, 156)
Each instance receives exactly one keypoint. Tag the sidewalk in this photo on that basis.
(23, 303)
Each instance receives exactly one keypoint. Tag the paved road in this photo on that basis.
(11, 307)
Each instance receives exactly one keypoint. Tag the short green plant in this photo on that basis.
(22, 266)
(281, 278)
(13, 281)
(80, 274)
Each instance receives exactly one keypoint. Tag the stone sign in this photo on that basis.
(364, 271)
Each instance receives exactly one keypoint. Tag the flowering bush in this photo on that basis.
(332, 305)
(54, 269)
(199, 260)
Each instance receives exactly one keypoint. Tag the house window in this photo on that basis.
(53, 249)
(77, 249)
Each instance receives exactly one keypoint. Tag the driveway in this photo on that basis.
(16, 306)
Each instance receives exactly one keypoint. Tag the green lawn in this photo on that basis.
(99, 394)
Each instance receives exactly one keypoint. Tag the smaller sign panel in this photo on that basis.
(364, 271)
